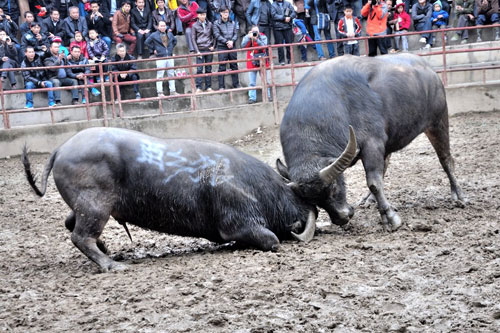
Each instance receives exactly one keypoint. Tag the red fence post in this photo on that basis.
(112, 95)
(86, 95)
(103, 96)
(6, 123)
(273, 87)
(443, 44)
(118, 96)
(193, 86)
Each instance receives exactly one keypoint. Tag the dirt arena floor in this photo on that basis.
(439, 273)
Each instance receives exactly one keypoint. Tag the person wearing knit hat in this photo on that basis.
(439, 18)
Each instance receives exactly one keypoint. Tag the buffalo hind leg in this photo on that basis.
(373, 163)
(369, 198)
(254, 235)
(88, 227)
(70, 225)
(439, 138)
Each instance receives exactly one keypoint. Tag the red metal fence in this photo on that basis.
(115, 101)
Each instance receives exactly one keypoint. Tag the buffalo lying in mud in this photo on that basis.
(372, 106)
(184, 187)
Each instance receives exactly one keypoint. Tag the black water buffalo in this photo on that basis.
(388, 101)
(184, 187)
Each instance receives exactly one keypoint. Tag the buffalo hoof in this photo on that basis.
(459, 199)
(391, 220)
(115, 266)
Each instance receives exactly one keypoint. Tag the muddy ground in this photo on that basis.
(439, 273)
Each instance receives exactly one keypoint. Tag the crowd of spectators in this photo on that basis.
(81, 32)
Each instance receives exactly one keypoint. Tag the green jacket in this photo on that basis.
(467, 5)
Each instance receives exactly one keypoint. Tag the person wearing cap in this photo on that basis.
(203, 41)
(402, 25)
(439, 19)
(226, 34)
(187, 13)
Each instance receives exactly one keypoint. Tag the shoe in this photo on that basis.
(106, 78)
(161, 94)
(52, 104)
(422, 40)
(252, 101)
(427, 46)
(222, 88)
(84, 101)
(138, 95)
(13, 86)
(322, 58)
(173, 93)
(95, 92)
(98, 80)
(455, 38)
(209, 89)
(478, 40)
(28, 105)
(270, 98)
(58, 103)
(282, 63)
(393, 51)
(74, 102)
(237, 86)
(464, 41)
(198, 91)
(139, 57)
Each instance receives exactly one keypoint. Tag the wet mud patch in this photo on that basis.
(439, 273)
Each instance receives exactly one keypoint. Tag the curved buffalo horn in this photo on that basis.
(308, 233)
(330, 173)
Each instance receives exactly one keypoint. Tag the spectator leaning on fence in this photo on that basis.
(487, 12)
(122, 30)
(464, 10)
(283, 14)
(8, 58)
(421, 14)
(226, 34)
(402, 25)
(376, 13)
(122, 67)
(188, 15)
(59, 77)
(203, 42)
(255, 38)
(97, 21)
(78, 73)
(259, 14)
(34, 78)
(349, 27)
(161, 44)
(142, 23)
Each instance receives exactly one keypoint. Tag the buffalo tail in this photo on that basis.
(32, 177)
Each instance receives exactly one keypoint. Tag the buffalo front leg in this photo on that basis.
(439, 138)
(88, 227)
(374, 168)
(369, 198)
(254, 235)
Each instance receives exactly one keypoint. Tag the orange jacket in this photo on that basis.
(377, 18)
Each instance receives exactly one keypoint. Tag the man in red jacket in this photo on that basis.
(187, 14)
(376, 25)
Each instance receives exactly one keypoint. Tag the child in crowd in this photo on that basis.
(80, 42)
(402, 25)
(349, 27)
(98, 52)
(439, 17)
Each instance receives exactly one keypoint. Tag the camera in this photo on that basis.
(254, 33)
(374, 2)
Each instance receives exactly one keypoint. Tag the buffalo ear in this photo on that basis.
(282, 169)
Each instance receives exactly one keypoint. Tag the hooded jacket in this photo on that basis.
(35, 76)
(405, 22)
(377, 18)
(442, 20)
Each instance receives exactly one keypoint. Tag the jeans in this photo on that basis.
(421, 26)
(482, 19)
(404, 40)
(140, 42)
(283, 37)
(252, 94)
(372, 46)
(161, 73)
(233, 66)
(319, 47)
(31, 85)
(266, 30)
(107, 40)
(351, 49)
(208, 69)
(63, 83)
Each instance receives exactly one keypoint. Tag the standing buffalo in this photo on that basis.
(183, 187)
(387, 101)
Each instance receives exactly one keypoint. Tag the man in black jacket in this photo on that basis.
(161, 43)
(226, 34)
(11, 8)
(97, 21)
(124, 67)
(142, 23)
(74, 23)
(283, 14)
(8, 58)
(36, 78)
(53, 26)
(203, 41)
(259, 13)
